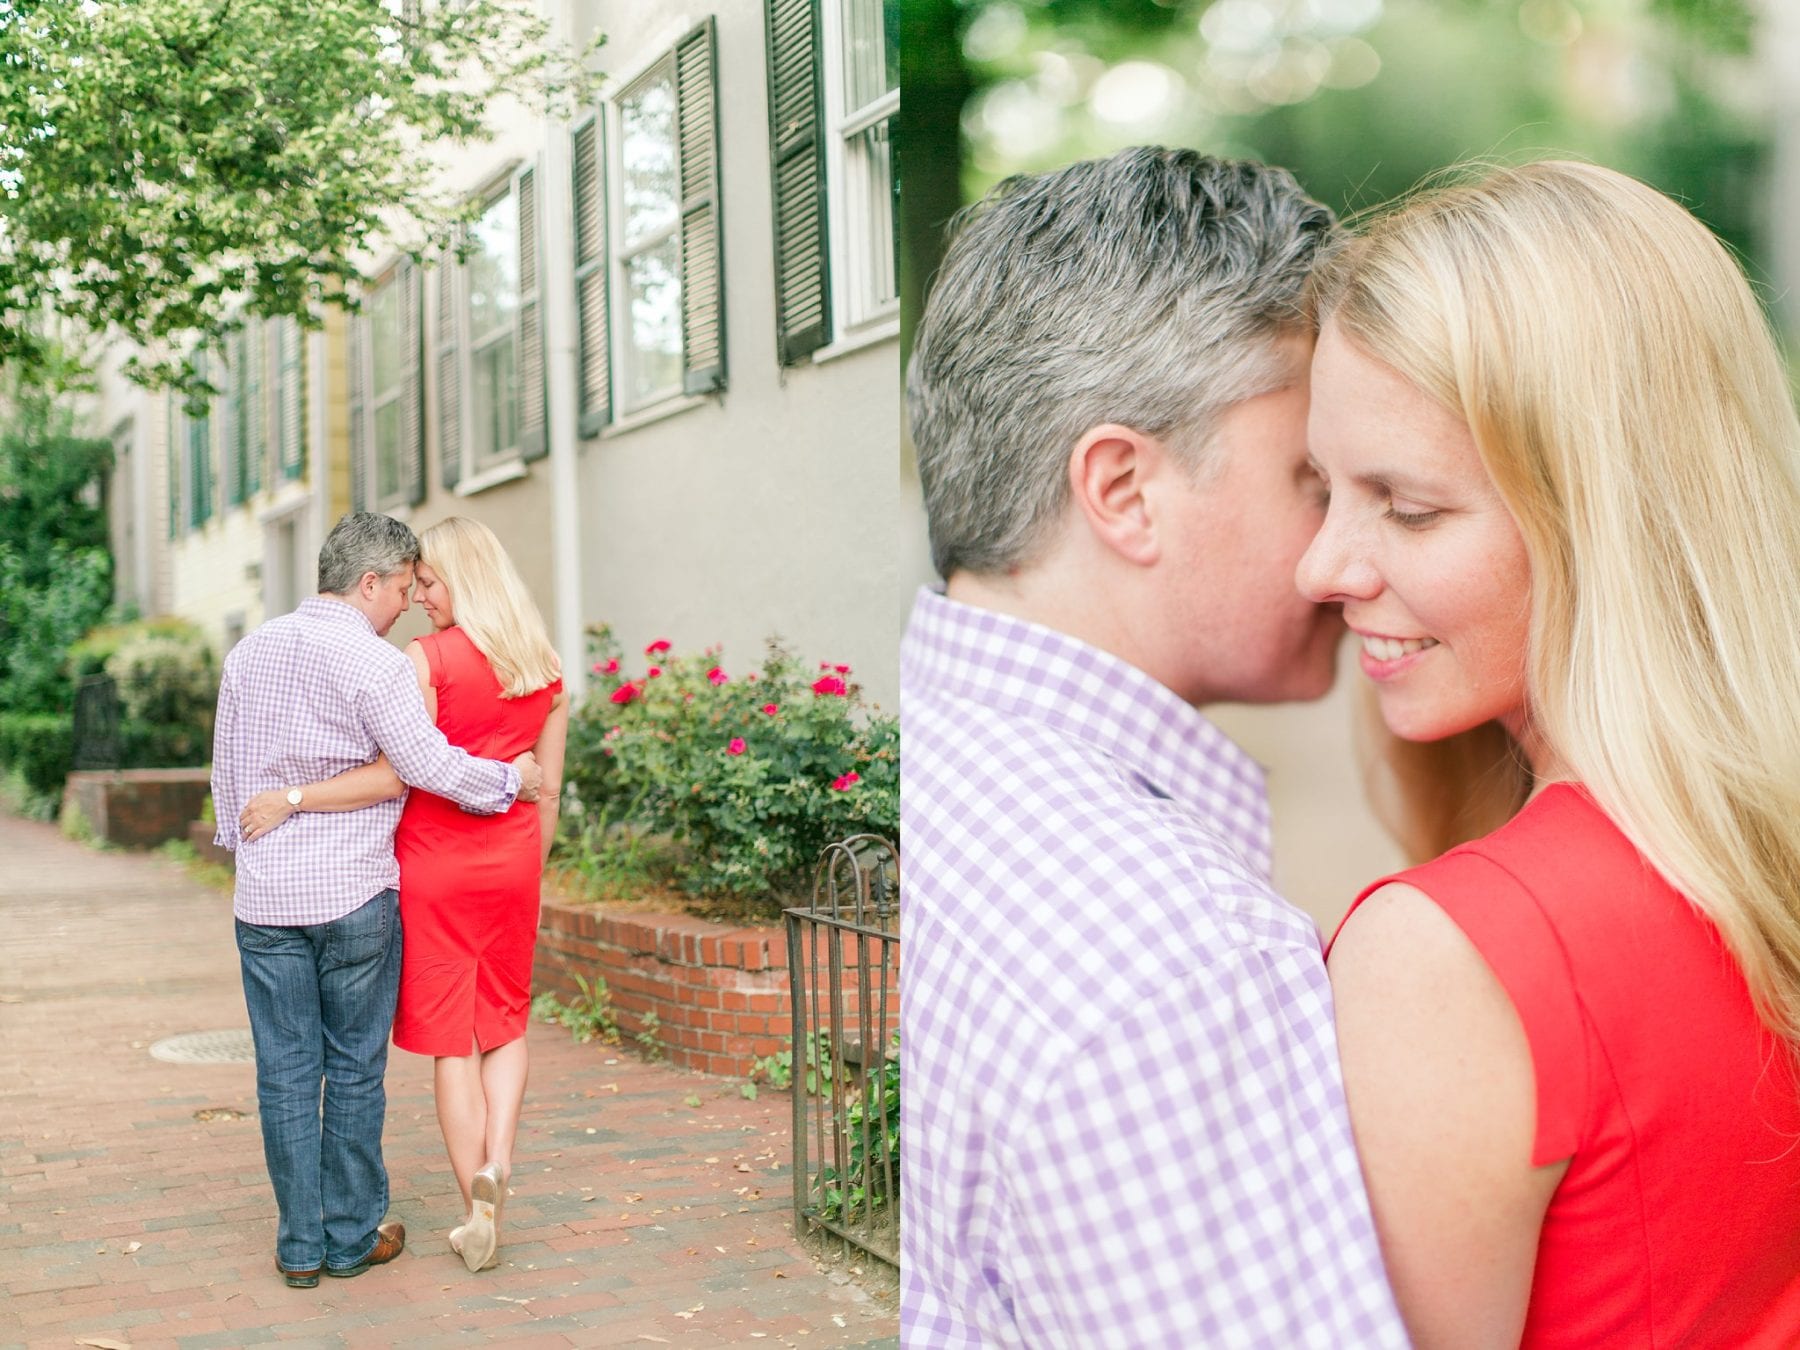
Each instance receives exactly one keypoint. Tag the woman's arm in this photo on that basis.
(1443, 1101)
(549, 750)
(350, 790)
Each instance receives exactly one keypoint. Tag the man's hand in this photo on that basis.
(264, 812)
(531, 777)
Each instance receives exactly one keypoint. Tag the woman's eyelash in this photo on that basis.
(1412, 520)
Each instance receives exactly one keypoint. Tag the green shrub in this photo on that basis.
(168, 686)
(753, 774)
(98, 646)
(37, 746)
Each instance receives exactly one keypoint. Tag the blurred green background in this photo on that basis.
(1360, 98)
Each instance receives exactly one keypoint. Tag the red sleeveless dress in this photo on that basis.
(468, 883)
(1678, 1220)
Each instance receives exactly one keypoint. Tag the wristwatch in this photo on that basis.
(294, 796)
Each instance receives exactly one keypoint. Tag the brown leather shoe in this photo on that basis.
(299, 1279)
(390, 1241)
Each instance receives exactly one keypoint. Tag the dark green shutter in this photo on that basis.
(702, 258)
(256, 409)
(797, 149)
(534, 439)
(412, 382)
(199, 443)
(449, 382)
(595, 371)
(359, 436)
(231, 397)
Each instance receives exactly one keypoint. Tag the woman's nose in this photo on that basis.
(1334, 568)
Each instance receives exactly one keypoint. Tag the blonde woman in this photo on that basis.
(1565, 525)
(468, 884)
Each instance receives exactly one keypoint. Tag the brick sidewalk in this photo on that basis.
(636, 1218)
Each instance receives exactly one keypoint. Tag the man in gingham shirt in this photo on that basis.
(301, 699)
(1123, 1117)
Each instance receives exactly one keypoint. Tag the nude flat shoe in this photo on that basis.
(481, 1234)
(456, 1245)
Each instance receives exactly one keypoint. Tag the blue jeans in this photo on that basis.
(321, 1000)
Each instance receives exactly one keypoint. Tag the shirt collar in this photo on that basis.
(1025, 669)
(337, 611)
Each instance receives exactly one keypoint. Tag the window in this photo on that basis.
(833, 95)
(647, 265)
(387, 450)
(648, 269)
(489, 338)
(286, 397)
(246, 413)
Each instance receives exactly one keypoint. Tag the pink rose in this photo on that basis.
(846, 782)
(653, 672)
(769, 708)
(610, 668)
(737, 746)
(657, 648)
(718, 676)
(830, 684)
(626, 693)
(842, 670)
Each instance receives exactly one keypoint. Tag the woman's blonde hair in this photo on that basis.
(491, 604)
(1628, 401)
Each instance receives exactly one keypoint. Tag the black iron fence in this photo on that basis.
(844, 971)
(145, 723)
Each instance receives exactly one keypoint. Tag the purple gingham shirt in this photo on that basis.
(303, 698)
(1124, 1121)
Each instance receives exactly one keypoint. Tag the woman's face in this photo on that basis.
(433, 596)
(1419, 549)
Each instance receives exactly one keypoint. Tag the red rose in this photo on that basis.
(626, 693)
(718, 676)
(610, 668)
(848, 781)
(769, 708)
(736, 747)
(829, 684)
(653, 672)
(657, 648)
(842, 670)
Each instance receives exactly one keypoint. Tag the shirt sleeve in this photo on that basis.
(1189, 1177)
(395, 716)
(227, 795)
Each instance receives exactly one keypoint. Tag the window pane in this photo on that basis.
(387, 450)
(496, 400)
(868, 66)
(653, 281)
(647, 155)
(384, 338)
(870, 207)
(494, 268)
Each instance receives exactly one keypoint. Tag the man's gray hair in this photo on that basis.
(364, 542)
(1147, 289)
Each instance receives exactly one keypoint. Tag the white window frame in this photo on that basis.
(476, 465)
(856, 312)
(627, 408)
(387, 286)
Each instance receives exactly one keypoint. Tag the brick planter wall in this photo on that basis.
(137, 808)
(720, 994)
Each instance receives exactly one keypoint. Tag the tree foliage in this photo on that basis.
(167, 165)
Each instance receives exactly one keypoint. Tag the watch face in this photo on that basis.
(293, 796)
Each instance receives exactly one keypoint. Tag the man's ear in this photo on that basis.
(369, 585)
(1110, 471)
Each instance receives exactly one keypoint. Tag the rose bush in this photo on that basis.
(750, 773)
